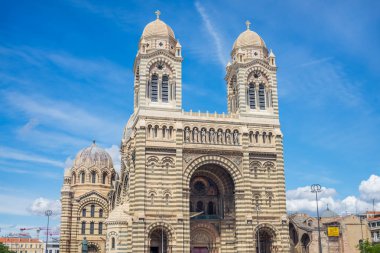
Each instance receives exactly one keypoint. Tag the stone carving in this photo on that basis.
(187, 134)
(203, 135)
(211, 136)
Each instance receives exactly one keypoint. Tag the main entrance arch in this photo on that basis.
(211, 206)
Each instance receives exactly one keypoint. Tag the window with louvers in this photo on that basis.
(252, 96)
(100, 230)
(92, 226)
(165, 89)
(83, 229)
(262, 96)
(154, 88)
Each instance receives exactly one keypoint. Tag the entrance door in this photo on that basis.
(199, 250)
(154, 250)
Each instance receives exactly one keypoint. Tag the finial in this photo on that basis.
(158, 13)
(94, 142)
(248, 24)
(328, 207)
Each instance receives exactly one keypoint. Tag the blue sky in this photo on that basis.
(66, 79)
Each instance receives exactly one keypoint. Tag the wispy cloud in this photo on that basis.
(321, 82)
(317, 61)
(44, 174)
(14, 204)
(215, 35)
(61, 115)
(13, 154)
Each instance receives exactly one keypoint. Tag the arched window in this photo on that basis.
(165, 89)
(113, 243)
(200, 206)
(92, 224)
(84, 212)
(74, 178)
(104, 178)
(83, 229)
(210, 208)
(252, 96)
(262, 96)
(100, 230)
(101, 213)
(82, 177)
(93, 177)
(154, 88)
(92, 210)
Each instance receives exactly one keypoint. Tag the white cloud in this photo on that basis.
(370, 189)
(213, 33)
(303, 200)
(114, 152)
(40, 205)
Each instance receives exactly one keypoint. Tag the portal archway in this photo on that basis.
(160, 238)
(265, 239)
(211, 204)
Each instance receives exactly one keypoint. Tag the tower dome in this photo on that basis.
(157, 35)
(93, 156)
(248, 46)
(157, 28)
(248, 38)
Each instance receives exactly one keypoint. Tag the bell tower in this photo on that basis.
(251, 77)
(158, 69)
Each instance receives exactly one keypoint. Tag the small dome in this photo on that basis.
(248, 38)
(119, 213)
(328, 213)
(157, 28)
(67, 172)
(93, 156)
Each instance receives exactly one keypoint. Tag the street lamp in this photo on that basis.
(48, 213)
(258, 229)
(315, 188)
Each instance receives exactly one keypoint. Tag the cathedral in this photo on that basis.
(190, 182)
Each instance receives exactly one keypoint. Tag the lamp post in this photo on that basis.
(258, 230)
(48, 213)
(315, 188)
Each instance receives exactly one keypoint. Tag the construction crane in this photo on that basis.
(39, 229)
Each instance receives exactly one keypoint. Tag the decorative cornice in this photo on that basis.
(260, 155)
(160, 150)
(201, 151)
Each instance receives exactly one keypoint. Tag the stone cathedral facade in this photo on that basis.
(190, 182)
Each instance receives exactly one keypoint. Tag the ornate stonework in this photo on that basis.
(192, 181)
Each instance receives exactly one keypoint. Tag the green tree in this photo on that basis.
(5, 249)
(367, 247)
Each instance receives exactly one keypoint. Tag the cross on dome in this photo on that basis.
(248, 24)
(158, 13)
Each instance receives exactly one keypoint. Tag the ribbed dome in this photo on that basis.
(157, 28)
(91, 156)
(248, 38)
